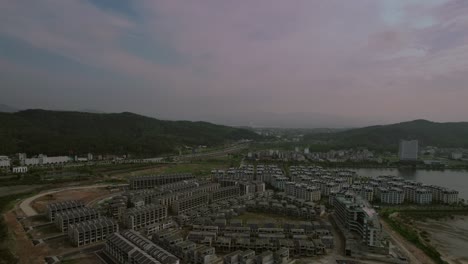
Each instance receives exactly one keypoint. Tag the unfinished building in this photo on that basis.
(91, 231)
(151, 181)
(66, 218)
(139, 217)
(224, 193)
(131, 247)
(57, 207)
(355, 214)
(117, 206)
(189, 203)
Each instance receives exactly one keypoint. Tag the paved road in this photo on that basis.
(25, 205)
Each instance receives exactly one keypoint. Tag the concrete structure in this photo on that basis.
(225, 193)
(158, 226)
(456, 155)
(42, 159)
(21, 169)
(423, 196)
(303, 191)
(117, 206)
(450, 196)
(189, 203)
(66, 218)
(408, 150)
(391, 195)
(140, 217)
(58, 207)
(5, 162)
(92, 231)
(356, 215)
(151, 181)
(131, 247)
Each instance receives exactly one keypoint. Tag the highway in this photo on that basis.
(26, 207)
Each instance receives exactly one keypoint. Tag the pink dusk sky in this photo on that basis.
(321, 62)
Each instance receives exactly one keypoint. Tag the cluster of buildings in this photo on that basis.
(397, 190)
(155, 208)
(383, 189)
(343, 155)
(176, 218)
(83, 225)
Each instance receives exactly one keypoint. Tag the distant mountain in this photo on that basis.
(285, 120)
(61, 132)
(7, 109)
(429, 133)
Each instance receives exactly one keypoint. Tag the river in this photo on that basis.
(453, 179)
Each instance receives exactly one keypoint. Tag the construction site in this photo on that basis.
(240, 216)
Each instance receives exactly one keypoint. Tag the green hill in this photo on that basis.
(60, 132)
(387, 136)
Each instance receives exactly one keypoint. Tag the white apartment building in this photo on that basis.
(410, 193)
(4, 162)
(21, 169)
(45, 160)
(408, 150)
(391, 195)
(303, 191)
(450, 196)
(423, 196)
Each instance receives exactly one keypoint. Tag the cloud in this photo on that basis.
(353, 57)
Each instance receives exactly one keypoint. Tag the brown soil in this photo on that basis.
(23, 246)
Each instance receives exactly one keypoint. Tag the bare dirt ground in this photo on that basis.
(23, 246)
(449, 237)
(415, 254)
(86, 195)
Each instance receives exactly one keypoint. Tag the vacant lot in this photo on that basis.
(86, 195)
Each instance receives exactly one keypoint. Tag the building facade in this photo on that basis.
(140, 217)
(408, 150)
(91, 231)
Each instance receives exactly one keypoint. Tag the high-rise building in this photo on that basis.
(408, 150)
(356, 214)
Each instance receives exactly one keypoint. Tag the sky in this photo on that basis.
(322, 63)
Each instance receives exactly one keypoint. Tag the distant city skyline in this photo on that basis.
(278, 63)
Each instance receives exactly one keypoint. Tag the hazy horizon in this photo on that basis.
(262, 63)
